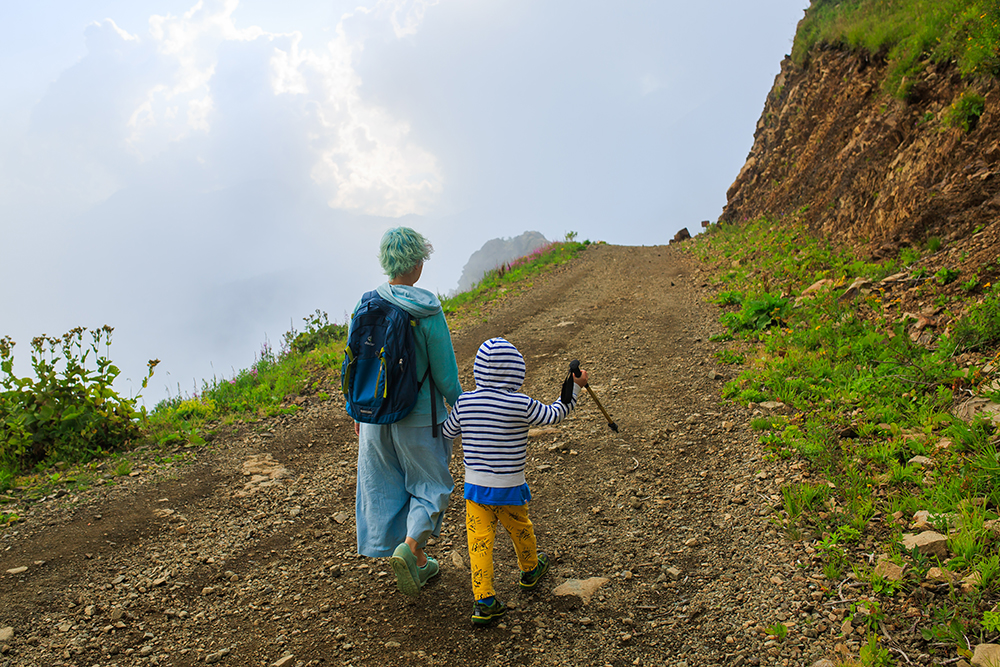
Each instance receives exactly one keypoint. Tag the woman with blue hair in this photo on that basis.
(403, 479)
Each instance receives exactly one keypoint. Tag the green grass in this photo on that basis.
(908, 34)
(867, 399)
(516, 272)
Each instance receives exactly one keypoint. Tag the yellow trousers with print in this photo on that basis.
(480, 526)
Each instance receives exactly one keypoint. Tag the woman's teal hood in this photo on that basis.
(417, 301)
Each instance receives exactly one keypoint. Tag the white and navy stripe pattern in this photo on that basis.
(494, 419)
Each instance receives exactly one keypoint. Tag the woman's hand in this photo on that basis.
(581, 379)
(357, 429)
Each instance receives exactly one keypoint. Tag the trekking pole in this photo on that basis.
(574, 369)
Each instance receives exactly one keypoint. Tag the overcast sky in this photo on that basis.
(202, 176)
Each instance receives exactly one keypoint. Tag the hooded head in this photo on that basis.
(499, 366)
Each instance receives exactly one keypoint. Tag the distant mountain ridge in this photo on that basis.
(496, 252)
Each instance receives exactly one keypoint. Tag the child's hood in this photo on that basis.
(499, 366)
(416, 301)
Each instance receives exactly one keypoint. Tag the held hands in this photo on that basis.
(577, 375)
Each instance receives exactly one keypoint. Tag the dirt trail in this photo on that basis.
(246, 556)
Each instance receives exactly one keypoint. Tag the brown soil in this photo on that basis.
(877, 174)
(202, 563)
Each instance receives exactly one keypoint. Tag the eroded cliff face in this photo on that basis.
(833, 149)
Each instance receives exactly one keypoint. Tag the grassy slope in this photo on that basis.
(873, 397)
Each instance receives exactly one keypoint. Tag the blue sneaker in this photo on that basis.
(530, 579)
(483, 614)
(404, 566)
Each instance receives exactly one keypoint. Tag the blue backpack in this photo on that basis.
(379, 375)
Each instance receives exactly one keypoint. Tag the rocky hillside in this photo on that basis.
(496, 252)
(863, 168)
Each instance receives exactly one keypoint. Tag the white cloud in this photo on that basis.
(407, 15)
(202, 84)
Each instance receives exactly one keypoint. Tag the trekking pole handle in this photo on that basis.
(574, 368)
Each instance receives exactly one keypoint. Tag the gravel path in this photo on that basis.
(243, 554)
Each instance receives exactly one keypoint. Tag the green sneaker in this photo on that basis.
(483, 614)
(428, 571)
(404, 565)
(530, 579)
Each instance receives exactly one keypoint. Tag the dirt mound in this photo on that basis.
(246, 556)
(873, 172)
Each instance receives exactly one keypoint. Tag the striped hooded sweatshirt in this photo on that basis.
(494, 419)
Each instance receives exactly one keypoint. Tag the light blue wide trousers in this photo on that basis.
(403, 486)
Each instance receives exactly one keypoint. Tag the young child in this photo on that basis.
(493, 421)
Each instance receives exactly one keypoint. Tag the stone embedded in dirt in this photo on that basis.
(264, 473)
(541, 432)
(974, 407)
(673, 573)
(929, 543)
(824, 662)
(6, 634)
(584, 589)
(972, 581)
(922, 461)
(341, 517)
(772, 405)
(283, 661)
(986, 655)
(825, 283)
(715, 375)
(217, 656)
(17, 570)
(941, 575)
(889, 571)
(859, 286)
(456, 560)
(921, 521)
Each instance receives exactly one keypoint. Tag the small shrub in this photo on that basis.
(68, 411)
(979, 326)
(909, 256)
(318, 332)
(964, 113)
(778, 631)
(758, 313)
(946, 276)
(730, 357)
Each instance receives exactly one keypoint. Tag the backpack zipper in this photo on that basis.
(381, 368)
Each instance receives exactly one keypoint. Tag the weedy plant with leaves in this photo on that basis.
(69, 410)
